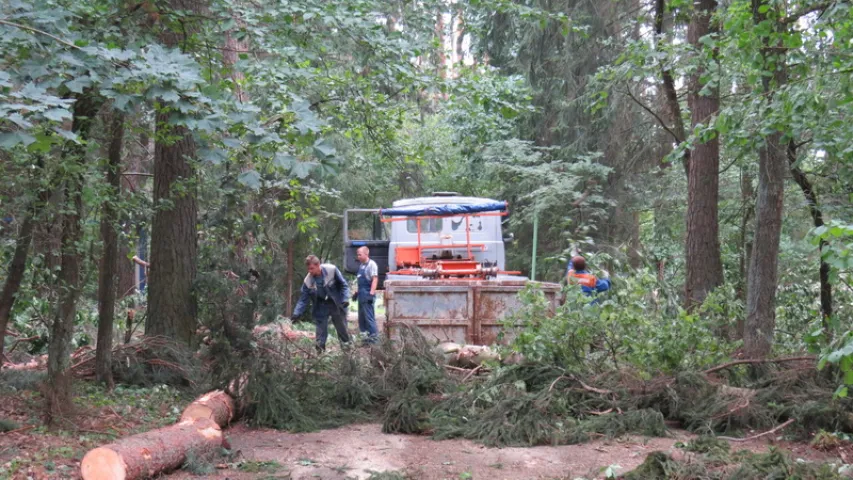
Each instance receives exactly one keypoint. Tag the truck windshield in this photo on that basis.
(428, 225)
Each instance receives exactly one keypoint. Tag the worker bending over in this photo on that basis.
(326, 288)
(577, 274)
(368, 279)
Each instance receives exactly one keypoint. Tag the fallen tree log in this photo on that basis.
(216, 405)
(147, 454)
(466, 356)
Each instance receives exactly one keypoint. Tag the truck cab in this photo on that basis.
(392, 244)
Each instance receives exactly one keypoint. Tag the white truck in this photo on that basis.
(442, 265)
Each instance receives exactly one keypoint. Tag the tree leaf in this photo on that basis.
(323, 150)
(284, 160)
(77, 85)
(251, 179)
(302, 170)
(67, 134)
(9, 140)
(57, 114)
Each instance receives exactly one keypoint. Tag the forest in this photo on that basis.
(168, 165)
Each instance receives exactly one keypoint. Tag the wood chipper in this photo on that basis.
(441, 261)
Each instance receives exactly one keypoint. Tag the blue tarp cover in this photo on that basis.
(442, 210)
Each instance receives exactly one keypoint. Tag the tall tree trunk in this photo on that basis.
(230, 56)
(460, 36)
(441, 63)
(747, 196)
(772, 165)
(15, 274)
(817, 219)
(704, 262)
(171, 301)
(291, 264)
(109, 263)
(58, 385)
(670, 94)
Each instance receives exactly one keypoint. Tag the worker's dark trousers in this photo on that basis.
(367, 320)
(339, 319)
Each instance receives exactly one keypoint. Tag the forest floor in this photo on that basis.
(353, 452)
(360, 451)
(363, 452)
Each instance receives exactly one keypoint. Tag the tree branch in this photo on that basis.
(41, 32)
(659, 119)
(780, 427)
(758, 360)
(805, 11)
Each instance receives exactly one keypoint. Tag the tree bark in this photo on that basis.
(216, 405)
(291, 266)
(15, 274)
(670, 94)
(171, 301)
(58, 385)
(817, 219)
(761, 291)
(747, 196)
(107, 282)
(460, 36)
(704, 262)
(147, 454)
(441, 66)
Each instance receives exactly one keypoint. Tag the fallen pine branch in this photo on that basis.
(473, 372)
(758, 361)
(599, 391)
(456, 369)
(18, 430)
(22, 340)
(780, 427)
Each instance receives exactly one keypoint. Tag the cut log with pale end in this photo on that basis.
(147, 454)
(216, 405)
(472, 356)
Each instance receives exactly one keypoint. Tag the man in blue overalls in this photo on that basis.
(368, 279)
(326, 287)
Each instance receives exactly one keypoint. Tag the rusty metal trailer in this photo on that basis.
(461, 311)
(441, 263)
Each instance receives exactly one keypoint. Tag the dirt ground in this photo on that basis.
(352, 452)
(357, 451)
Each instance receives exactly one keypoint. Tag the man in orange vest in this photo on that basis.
(577, 274)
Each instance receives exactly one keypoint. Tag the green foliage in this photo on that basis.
(199, 463)
(836, 242)
(631, 326)
(288, 387)
(8, 425)
(250, 466)
(387, 475)
(21, 380)
(720, 465)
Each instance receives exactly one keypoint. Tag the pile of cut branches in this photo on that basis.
(405, 384)
(147, 362)
(709, 458)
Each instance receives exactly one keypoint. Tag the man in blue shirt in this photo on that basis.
(577, 274)
(368, 280)
(326, 288)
